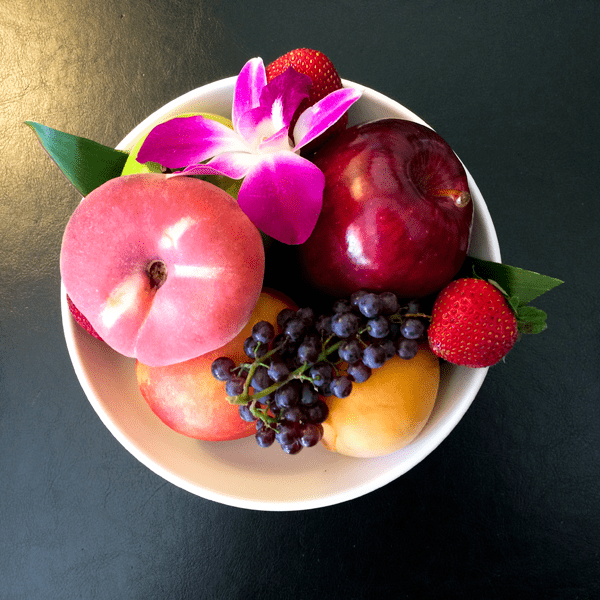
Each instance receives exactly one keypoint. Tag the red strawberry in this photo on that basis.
(472, 324)
(81, 319)
(324, 77)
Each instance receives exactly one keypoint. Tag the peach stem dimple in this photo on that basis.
(157, 273)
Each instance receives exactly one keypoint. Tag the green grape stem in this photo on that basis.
(398, 318)
(246, 398)
(298, 373)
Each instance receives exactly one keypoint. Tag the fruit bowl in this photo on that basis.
(239, 473)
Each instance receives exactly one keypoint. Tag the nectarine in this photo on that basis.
(164, 269)
(186, 396)
(386, 412)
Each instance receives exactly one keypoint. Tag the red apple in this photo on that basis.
(164, 269)
(396, 215)
(186, 397)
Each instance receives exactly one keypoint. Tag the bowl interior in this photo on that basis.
(239, 473)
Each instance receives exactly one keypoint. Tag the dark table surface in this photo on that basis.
(508, 506)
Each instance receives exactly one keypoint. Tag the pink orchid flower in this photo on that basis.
(281, 192)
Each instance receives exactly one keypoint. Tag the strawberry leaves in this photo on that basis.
(530, 319)
(519, 287)
(514, 281)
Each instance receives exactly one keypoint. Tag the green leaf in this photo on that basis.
(514, 303)
(498, 287)
(516, 282)
(85, 163)
(531, 319)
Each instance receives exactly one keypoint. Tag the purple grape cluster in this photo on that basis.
(313, 357)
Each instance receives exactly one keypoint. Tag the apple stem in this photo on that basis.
(459, 198)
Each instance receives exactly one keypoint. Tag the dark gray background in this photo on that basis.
(508, 506)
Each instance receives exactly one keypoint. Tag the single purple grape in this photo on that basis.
(374, 356)
(222, 367)
(245, 413)
(321, 373)
(341, 386)
(350, 351)
(359, 372)
(284, 316)
(345, 325)
(312, 433)
(288, 433)
(306, 314)
(308, 394)
(235, 386)
(292, 448)
(295, 329)
(265, 437)
(317, 413)
(408, 349)
(370, 305)
(288, 395)
(412, 329)
(261, 379)
(278, 370)
(389, 303)
(378, 327)
(263, 332)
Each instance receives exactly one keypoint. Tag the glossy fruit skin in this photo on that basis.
(186, 396)
(472, 324)
(325, 79)
(231, 186)
(213, 255)
(386, 412)
(397, 212)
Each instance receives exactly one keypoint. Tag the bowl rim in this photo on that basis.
(448, 424)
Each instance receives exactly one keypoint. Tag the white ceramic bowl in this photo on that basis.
(240, 473)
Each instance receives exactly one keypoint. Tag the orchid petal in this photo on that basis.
(235, 164)
(284, 94)
(248, 88)
(283, 196)
(183, 141)
(262, 133)
(278, 142)
(279, 101)
(257, 125)
(322, 115)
